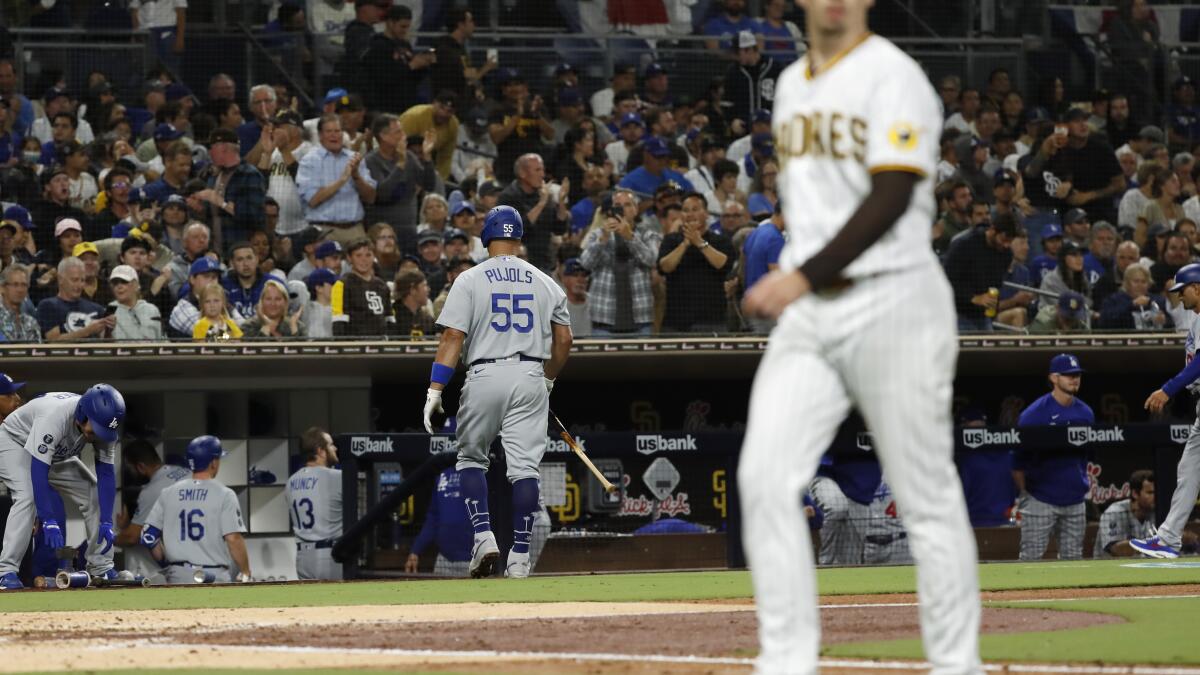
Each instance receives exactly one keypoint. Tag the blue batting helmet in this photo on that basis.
(1188, 274)
(502, 222)
(104, 407)
(202, 451)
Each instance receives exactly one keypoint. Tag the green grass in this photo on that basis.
(587, 588)
(1158, 631)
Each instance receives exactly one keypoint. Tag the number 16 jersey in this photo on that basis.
(506, 307)
(194, 517)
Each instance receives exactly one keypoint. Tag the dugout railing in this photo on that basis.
(676, 485)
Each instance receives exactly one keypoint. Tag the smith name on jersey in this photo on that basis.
(868, 110)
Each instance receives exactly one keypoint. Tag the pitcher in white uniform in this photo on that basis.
(314, 498)
(509, 323)
(865, 320)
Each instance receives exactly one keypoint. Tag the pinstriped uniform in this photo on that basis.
(886, 345)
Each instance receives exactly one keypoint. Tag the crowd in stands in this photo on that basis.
(183, 215)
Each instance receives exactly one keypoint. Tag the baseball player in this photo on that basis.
(448, 523)
(884, 540)
(1051, 486)
(865, 320)
(1127, 519)
(196, 524)
(39, 444)
(10, 397)
(142, 460)
(842, 492)
(509, 323)
(1169, 538)
(314, 497)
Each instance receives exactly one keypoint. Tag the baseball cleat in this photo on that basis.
(10, 581)
(518, 566)
(107, 575)
(1154, 547)
(484, 556)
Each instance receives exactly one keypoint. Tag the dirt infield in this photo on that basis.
(589, 637)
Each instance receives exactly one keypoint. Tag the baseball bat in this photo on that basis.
(566, 436)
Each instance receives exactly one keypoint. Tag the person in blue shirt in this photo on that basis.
(1052, 485)
(986, 477)
(783, 40)
(653, 172)
(842, 492)
(726, 24)
(760, 254)
(1052, 241)
(447, 524)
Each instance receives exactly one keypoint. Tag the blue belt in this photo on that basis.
(302, 545)
(519, 357)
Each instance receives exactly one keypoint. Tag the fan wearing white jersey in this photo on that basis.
(865, 320)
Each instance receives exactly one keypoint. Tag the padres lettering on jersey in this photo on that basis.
(361, 307)
(868, 110)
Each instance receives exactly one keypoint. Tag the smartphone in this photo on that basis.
(1060, 130)
(493, 55)
(109, 310)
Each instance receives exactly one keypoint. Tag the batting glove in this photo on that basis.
(433, 403)
(52, 534)
(105, 537)
(549, 384)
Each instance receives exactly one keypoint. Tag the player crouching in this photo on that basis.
(196, 525)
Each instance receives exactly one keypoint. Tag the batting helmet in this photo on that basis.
(202, 451)
(502, 222)
(104, 407)
(1188, 274)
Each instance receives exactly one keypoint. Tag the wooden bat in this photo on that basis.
(566, 436)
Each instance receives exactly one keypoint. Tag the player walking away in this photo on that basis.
(509, 322)
(1167, 542)
(38, 444)
(142, 460)
(865, 319)
(1051, 487)
(314, 495)
(447, 524)
(196, 524)
(10, 398)
(1127, 519)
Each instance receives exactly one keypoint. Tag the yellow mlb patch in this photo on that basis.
(903, 136)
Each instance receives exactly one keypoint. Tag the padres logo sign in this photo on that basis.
(903, 136)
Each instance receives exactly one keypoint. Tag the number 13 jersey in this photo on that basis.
(506, 307)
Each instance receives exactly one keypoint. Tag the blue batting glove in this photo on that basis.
(106, 536)
(52, 534)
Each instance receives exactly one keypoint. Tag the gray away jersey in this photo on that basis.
(46, 428)
(314, 499)
(194, 516)
(136, 556)
(505, 306)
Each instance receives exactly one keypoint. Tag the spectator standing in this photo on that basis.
(749, 83)
(15, 324)
(1126, 519)
(177, 168)
(475, 152)
(519, 126)
(411, 307)
(728, 24)
(1052, 486)
(439, 118)
(976, 265)
(392, 69)
(280, 162)
(695, 262)
(361, 301)
(542, 215)
(235, 193)
(1090, 167)
(623, 80)
(134, 318)
(68, 317)
(452, 70)
(620, 252)
(333, 184)
(783, 40)
(1132, 307)
(1133, 38)
(654, 171)
(1120, 127)
(400, 175)
(166, 22)
(264, 107)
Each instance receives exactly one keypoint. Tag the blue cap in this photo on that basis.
(7, 386)
(334, 94)
(570, 96)
(1051, 230)
(464, 205)
(1003, 176)
(564, 68)
(174, 200)
(632, 118)
(166, 132)
(19, 215)
(176, 91)
(506, 75)
(455, 233)
(1072, 306)
(764, 143)
(573, 266)
(1036, 114)
(328, 248)
(204, 265)
(762, 115)
(53, 93)
(321, 277)
(1066, 364)
(656, 147)
(655, 69)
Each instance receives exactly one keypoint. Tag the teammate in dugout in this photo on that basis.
(39, 444)
(857, 125)
(1127, 519)
(508, 321)
(1051, 486)
(314, 498)
(142, 460)
(196, 524)
(1167, 543)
